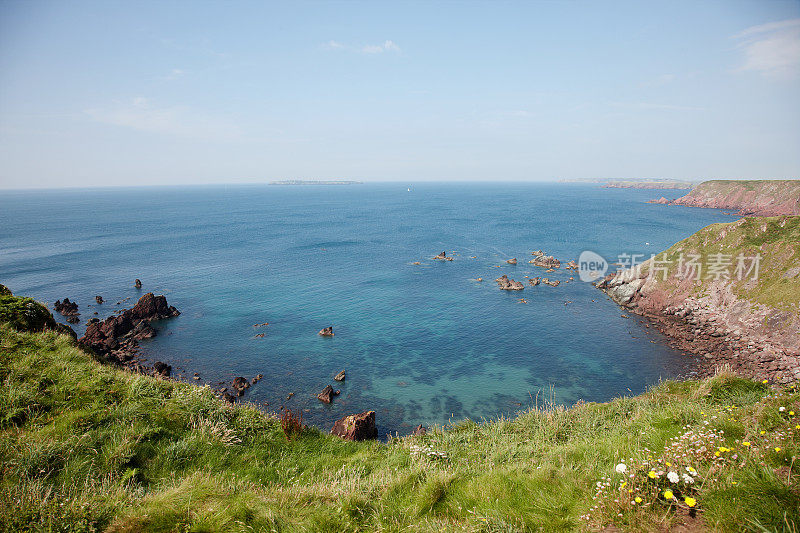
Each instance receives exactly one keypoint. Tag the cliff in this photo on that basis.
(634, 184)
(753, 197)
(729, 293)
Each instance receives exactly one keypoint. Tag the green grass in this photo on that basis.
(87, 447)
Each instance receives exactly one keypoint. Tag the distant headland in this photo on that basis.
(315, 182)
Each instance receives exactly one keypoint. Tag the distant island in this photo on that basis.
(749, 197)
(315, 182)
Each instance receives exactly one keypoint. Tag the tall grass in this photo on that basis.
(86, 447)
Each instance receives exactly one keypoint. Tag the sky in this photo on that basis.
(177, 92)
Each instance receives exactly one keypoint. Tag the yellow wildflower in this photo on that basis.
(777, 449)
(797, 426)
(623, 485)
(668, 464)
(791, 413)
(637, 499)
(652, 474)
(716, 454)
(691, 502)
(745, 443)
(765, 382)
(668, 494)
(763, 432)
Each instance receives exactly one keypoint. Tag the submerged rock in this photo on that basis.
(137, 283)
(98, 299)
(162, 369)
(534, 281)
(340, 376)
(240, 384)
(356, 427)
(442, 255)
(512, 261)
(326, 332)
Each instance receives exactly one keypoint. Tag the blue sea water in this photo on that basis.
(420, 343)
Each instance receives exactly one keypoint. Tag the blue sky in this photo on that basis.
(139, 93)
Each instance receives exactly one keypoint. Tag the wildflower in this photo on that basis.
(691, 502)
(746, 444)
(765, 382)
(621, 468)
(763, 432)
(652, 474)
(637, 499)
(797, 426)
(781, 408)
(668, 494)
(668, 463)
(690, 469)
(777, 449)
(673, 477)
(791, 413)
(623, 485)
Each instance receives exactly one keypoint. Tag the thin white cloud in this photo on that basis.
(772, 49)
(370, 49)
(140, 114)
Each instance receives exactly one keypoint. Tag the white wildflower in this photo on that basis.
(673, 477)
(621, 468)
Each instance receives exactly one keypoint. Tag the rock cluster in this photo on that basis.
(506, 284)
(115, 338)
(443, 256)
(540, 259)
(67, 309)
(512, 261)
(327, 394)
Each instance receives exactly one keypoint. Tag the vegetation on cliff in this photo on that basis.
(89, 447)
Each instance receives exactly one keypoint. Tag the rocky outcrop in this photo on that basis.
(161, 369)
(506, 284)
(748, 197)
(66, 307)
(137, 283)
(512, 261)
(534, 281)
(540, 259)
(326, 332)
(98, 299)
(649, 184)
(115, 338)
(419, 431)
(340, 376)
(750, 322)
(356, 427)
(551, 282)
(443, 257)
(327, 394)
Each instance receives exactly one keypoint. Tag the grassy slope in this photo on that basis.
(776, 239)
(87, 447)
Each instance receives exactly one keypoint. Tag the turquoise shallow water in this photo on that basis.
(420, 343)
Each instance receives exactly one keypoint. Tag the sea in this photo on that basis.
(421, 341)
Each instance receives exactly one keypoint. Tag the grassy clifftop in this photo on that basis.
(776, 240)
(88, 447)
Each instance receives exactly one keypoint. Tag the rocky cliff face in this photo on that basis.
(755, 197)
(729, 293)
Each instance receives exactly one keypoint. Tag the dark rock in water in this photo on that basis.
(509, 284)
(119, 333)
(339, 376)
(72, 319)
(552, 283)
(150, 307)
(420, 430)
(572, 265)
(442, 255)
(137, 283)
(240, 384)
(512, 261)
(162, 369)
(98, 299)
(326, 332)
(258, 378)
(228, 397)
(356, 427)
(327, 394)
(66, 307)
(534, 281)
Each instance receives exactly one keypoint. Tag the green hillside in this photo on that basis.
(88, 447)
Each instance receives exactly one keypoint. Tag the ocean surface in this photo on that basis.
(421, 344)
